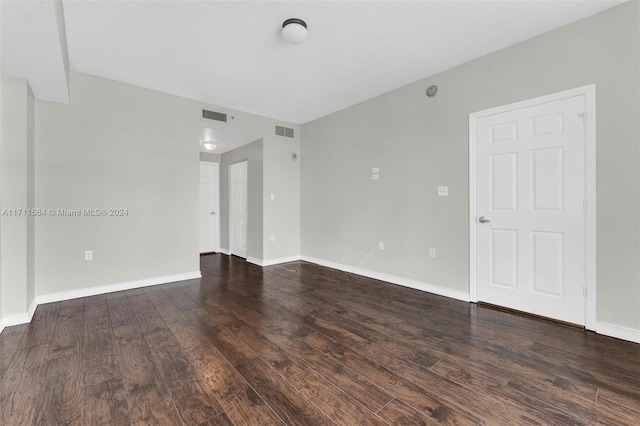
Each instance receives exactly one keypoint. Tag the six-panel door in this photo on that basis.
(530, 185)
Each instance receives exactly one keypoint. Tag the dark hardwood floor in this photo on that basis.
(301, 344)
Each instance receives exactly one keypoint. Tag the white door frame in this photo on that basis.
(589, 93)
(217, 215)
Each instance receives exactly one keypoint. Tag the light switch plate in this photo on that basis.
(375, 170)
(443, 191)
(88, 255)
(375, 177)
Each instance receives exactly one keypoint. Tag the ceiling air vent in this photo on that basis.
(212, 115)
(284, 131)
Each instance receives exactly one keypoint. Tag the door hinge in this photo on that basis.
(584, 205)
(584, 118)
(584, 290)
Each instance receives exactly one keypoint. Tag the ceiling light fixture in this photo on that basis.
(294, 31)
(209, 146)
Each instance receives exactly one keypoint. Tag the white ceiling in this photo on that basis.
(230, 53)
(34, 47)
(224, 140)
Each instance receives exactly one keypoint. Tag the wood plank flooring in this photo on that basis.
(300, 344)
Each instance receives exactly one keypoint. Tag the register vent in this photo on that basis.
(213, 115)
(284, 131)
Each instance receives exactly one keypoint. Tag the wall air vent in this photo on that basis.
(284, 131)
(213, 115)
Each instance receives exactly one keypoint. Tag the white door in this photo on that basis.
(209, 214)
(238, 213)
(530, 209)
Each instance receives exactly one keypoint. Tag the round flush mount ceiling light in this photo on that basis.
(294, 31)
(209, 146)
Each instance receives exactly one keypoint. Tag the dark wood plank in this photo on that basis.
(288, 404)
(120, 311)
(170, 312)
(68, 336)
(283, 363)
(100, 368)
(333, 401)
(420, 398)
(357, 387)
(95, 306)
(42, 326)
(141, 380)
(471, 375)
(97, 336)
(21, 385)
(398, 413)
(155, 412)
(106, 403)
(195, 401)
(220, 420)
(629, 407)
(8, 347)
(157, 295)
(303, 344)
(238, 399)
(61, 398)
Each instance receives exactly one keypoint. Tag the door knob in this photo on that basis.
(483, 219)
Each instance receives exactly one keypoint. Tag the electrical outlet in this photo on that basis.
(443, 191)
(432, 252)
(380, 245)
(375, 170)
(273, 197)
(273, 237)
(88, 255)
(375, 177)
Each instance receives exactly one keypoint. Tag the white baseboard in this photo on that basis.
(26, 317)
(280, 260)
(405, 282)
(271, 262)
(15, 319)
(110, 288)
(20, 318)
(254, 260)
(619, 332)
(224, 251)
(32, 309)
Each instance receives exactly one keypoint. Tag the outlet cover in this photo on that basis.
(432, 252)
(88, 255)
(380, 245)
(443, 191)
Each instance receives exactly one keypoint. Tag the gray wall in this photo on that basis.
(121, 146)
(253, 154)
(210, 157)
(116, 146)
(17, 192)
(282, 179)
(420, 143)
